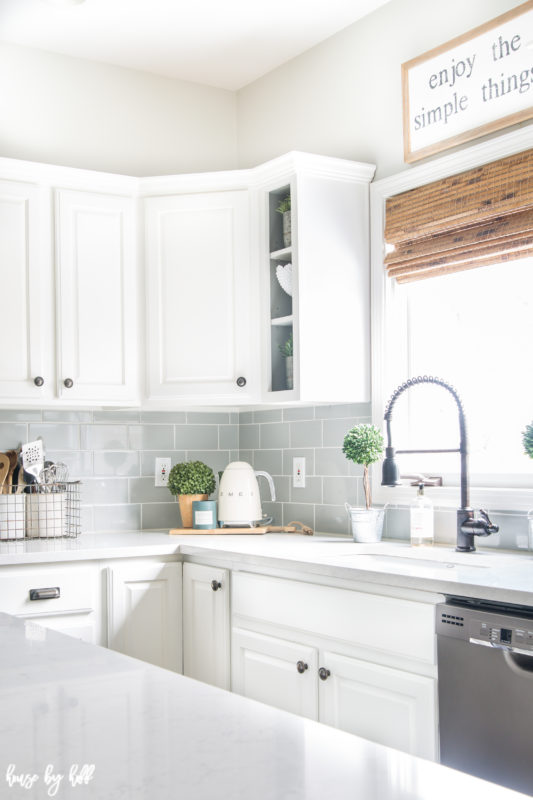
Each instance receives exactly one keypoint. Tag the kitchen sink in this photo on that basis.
(401, 561)
(405, 558)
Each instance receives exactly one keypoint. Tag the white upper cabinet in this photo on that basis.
(97, 349)
(69, 287)
(315, 280)
(199, 287)
(26, 355)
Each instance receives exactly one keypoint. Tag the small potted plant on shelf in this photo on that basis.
(363, 445)
(286, 350)
(190, 480)
(284, 209)
(527, 440)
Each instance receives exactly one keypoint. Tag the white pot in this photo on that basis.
(367, 523)
(46, 515)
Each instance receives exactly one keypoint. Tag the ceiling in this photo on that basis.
(224, 43)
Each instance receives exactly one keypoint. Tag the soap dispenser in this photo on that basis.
(421, 518)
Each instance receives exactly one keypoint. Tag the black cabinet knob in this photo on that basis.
(323, 673)
(301, 666)
(68, 382)
(216, 585)
(241, 382)
(38, 381)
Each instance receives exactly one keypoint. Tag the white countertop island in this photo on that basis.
(139, 732)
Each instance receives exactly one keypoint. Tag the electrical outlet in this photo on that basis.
(162, 468)
(298, 473)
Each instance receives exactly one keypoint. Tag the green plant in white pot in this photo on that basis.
(284, 209)
(363, 445)
(190, 480)
(527, 440)
(287, 351)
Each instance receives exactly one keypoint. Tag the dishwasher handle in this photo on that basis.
(506, 648)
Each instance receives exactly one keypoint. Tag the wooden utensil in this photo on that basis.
(4, 469)
(13, 461)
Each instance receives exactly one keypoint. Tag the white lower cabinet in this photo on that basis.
(360, 662)
(276, 672)
(144, 611)
(206, 624)
(384, 705)
(62, 597)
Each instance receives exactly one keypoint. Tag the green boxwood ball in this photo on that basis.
(191, 477)
(363, 444)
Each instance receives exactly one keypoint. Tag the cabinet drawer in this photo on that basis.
(386, 624)
(77, 590)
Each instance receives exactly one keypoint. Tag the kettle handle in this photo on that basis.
(270, 483)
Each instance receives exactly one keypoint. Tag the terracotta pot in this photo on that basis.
(185, 501)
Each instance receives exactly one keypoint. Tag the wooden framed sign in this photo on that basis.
(477, 83)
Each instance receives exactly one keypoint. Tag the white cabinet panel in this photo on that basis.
(26, 295)
(206, 624)
(384, 624)
(384, 705)
(72, 606)
(199, 295)
(144, 612)
(96, 290)
(265, 668)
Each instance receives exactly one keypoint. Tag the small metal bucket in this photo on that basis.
(367, 523)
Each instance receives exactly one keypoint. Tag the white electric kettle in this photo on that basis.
(239, 500)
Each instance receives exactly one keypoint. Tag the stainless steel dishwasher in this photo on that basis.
(485, 662)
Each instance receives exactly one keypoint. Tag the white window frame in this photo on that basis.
(382, 292)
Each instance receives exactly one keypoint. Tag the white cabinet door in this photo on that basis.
(144, 612)
(275, 671)
(26, 353)
(96, 297)
(206, 626)
(384, 705)
(199, 296)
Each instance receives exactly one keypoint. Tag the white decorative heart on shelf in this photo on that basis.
(284, 276)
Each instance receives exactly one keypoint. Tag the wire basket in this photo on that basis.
(42, 511)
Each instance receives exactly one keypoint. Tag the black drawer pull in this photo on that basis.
(45, 594)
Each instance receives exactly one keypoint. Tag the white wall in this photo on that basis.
(343, 97)
(79, 113)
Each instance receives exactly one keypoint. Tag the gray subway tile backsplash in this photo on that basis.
(12, 435)
(306, 434)
(56, 435)
(104, 437)
(113, 452)
(274, 435)
(151, 437)
(196, 437)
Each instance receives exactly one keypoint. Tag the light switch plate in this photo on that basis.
(162, 468)
(298, 473)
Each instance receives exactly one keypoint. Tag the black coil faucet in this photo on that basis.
(468, 525)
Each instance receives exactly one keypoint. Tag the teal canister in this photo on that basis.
(204, 514)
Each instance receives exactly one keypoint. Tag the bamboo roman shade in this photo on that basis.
(479, 217)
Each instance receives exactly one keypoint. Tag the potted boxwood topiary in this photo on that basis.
(527, 440)
(190, 480)
(284, 209)
(287, 351)
(363, 445)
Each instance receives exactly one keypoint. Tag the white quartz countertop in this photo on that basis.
(488, 573)
(147, 733)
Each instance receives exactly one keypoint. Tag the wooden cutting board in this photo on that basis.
(293, 528)
(214, 531)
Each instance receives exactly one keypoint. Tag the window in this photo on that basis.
(472, 328)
